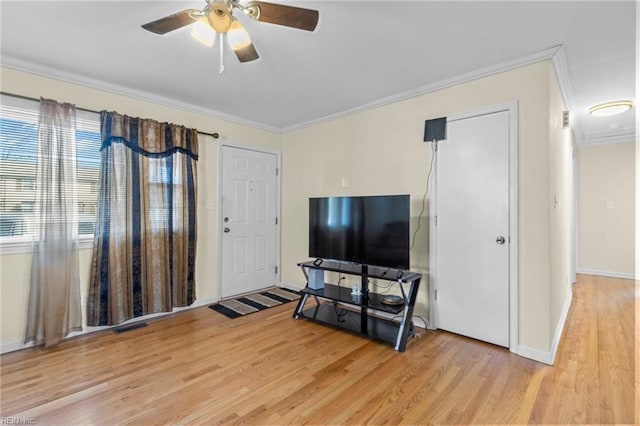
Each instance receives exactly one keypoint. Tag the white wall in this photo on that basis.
(381, 151)
(606, 214)
(15, 268)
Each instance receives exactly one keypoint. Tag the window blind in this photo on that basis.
(18, 159)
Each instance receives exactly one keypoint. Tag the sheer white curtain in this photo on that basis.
(54, 296)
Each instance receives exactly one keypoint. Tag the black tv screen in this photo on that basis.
(372, 230)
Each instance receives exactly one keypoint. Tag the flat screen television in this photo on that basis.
(371, 230)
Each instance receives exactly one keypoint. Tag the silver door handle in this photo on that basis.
(227, 229)
(500, 239)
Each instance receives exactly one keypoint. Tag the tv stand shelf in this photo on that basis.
(364, 314)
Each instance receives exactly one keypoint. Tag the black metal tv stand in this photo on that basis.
(360, 313)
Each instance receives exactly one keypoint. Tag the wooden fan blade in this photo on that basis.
(247, 53)
(289, 16)
(171, 22)
(240, 42)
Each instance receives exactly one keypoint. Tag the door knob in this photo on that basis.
(227, 229)
(500, 239)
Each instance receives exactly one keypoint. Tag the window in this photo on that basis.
(27, 206)
(26, 184)
(18, 157)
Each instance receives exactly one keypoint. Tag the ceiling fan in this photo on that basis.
(217, 16)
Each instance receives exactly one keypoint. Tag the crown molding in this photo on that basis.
(543, 55)
(611, 137)
(555, 54)
(57, 74)
(559, 61)
(561, 71)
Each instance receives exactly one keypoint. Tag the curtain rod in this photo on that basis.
(28, 98)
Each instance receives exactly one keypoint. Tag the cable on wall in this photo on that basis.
(434, 148)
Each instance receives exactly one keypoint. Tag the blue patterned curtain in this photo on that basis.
(145, 239)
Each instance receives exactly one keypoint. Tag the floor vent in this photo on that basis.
(130, 327)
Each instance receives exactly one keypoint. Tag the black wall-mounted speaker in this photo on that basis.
(435, 129)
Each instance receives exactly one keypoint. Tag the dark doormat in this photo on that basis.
(254, 302)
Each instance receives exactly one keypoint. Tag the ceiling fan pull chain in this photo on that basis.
(221, 69)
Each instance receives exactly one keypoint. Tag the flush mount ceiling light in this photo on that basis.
(610, 108)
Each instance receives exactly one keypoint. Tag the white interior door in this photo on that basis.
(472, 209)
(248, 215)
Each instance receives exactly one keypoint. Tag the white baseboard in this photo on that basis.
(560, 326)
(6, 347)
(535, 354)
(548, 357)
(625, 275)
(291, 286)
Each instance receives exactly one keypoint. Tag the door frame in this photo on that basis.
(512, 108)
(278, 155)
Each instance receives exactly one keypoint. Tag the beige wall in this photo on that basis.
(381, 151)
(560, 210)
(606, 212)
(15, 268)
(376, 152)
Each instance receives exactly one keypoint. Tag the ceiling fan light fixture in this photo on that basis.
(203, 32)
(610, 108)
(238, 37)
(219, 16)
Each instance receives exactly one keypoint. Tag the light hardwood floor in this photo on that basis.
(198, 367)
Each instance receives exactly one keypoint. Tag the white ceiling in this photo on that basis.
(362, 53)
